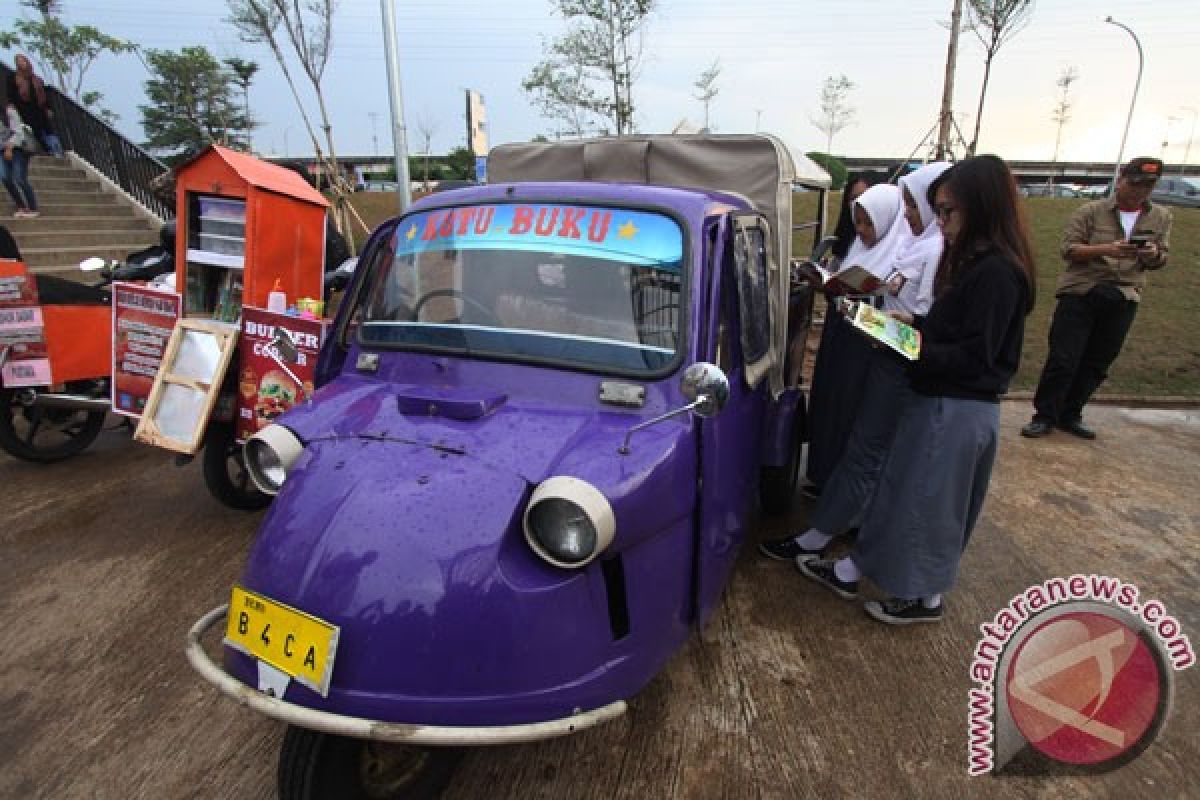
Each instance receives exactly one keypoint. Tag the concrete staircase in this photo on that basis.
(81, 216)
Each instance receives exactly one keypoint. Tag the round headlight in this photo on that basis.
(269, 454)
(568, 522)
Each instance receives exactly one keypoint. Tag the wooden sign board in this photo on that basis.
(186, 387)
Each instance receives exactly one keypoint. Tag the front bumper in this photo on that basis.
(361, 728)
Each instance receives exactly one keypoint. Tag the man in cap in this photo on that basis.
(1108, 244)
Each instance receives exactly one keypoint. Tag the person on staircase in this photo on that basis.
(14, 164)
(27, 92)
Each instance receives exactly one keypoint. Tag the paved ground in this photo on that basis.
(789, 692)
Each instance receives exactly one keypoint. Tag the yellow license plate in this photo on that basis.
(293, 642)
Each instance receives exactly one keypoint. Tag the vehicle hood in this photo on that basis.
(523, 437)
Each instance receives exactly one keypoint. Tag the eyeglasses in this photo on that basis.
(944, 212)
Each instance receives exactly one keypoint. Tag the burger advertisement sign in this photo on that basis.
(264, 390)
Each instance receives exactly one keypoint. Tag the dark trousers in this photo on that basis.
(1086, 335)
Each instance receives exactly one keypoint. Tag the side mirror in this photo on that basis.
(706, 386)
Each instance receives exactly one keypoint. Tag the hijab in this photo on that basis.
(883, 204)
(844, 232)
(918, 255)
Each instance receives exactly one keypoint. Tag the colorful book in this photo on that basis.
(855, 278)
(903, 338)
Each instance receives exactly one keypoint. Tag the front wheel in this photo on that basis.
(45, 435)
(225, 472)
(316, 766)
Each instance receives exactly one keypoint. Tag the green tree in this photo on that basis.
(191, 102)
(65, 53)
(243, 74)
(460, 164)
(589, 71)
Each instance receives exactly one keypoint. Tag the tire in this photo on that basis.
(225, 473)
(321, 766)
(63, 432)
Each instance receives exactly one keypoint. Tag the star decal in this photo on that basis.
(627, 231)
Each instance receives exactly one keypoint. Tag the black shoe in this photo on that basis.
(1076, 428)
(1036, 429)
(786, 549)
(810, 491)
(821, 570)
(895, 611)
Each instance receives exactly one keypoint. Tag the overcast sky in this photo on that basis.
(774, 54)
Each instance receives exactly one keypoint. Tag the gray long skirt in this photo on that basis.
(929, 496)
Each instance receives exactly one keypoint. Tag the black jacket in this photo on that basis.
(971, 338)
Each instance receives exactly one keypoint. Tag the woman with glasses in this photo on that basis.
(935, 477)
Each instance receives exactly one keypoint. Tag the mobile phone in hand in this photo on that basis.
(1140, 239)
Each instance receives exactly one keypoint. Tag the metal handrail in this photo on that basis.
(98, 143)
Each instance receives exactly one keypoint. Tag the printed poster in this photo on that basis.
(264, 389)
(143, 320)
(22, 329)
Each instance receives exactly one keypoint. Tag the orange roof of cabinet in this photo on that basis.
(257, 173)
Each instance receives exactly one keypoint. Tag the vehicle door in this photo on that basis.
(738, 340)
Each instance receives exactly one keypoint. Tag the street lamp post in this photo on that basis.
(396, 101)
(1133, 102)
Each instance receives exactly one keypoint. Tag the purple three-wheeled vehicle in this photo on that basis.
(548, 413)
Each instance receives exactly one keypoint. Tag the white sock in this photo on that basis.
(846, 570)
(813, 539)
(933, 601)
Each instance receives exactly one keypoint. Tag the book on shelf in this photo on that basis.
(887, 330)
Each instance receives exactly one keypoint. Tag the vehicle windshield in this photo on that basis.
(590, 286)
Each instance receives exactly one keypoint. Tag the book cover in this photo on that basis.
(855, 278)
(903, 338)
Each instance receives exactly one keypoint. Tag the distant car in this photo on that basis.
(1048, 190)
(379, 186)
(1183, 192)
(1094, 192)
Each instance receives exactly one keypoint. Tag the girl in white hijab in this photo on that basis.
(918, 255)
(880, 230)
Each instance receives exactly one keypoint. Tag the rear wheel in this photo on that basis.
(225, 472)
(315, 766)
(45, 435)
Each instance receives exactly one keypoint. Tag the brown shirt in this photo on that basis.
(1099, 222)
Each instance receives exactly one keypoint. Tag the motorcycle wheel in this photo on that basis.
(225, 472)
(316, 766)
(45, 435)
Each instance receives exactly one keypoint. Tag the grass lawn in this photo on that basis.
(1161, 355)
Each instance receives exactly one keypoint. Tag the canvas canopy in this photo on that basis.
(758, 167)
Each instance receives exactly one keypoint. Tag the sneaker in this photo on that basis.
(895, 611)
(786, 549)
(821, 571)
(32, 214)
(21, 213)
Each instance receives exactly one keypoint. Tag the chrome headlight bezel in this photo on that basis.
(268, 455)
(589, 500)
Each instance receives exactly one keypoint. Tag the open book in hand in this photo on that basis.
(856, 279)
(904, 339)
